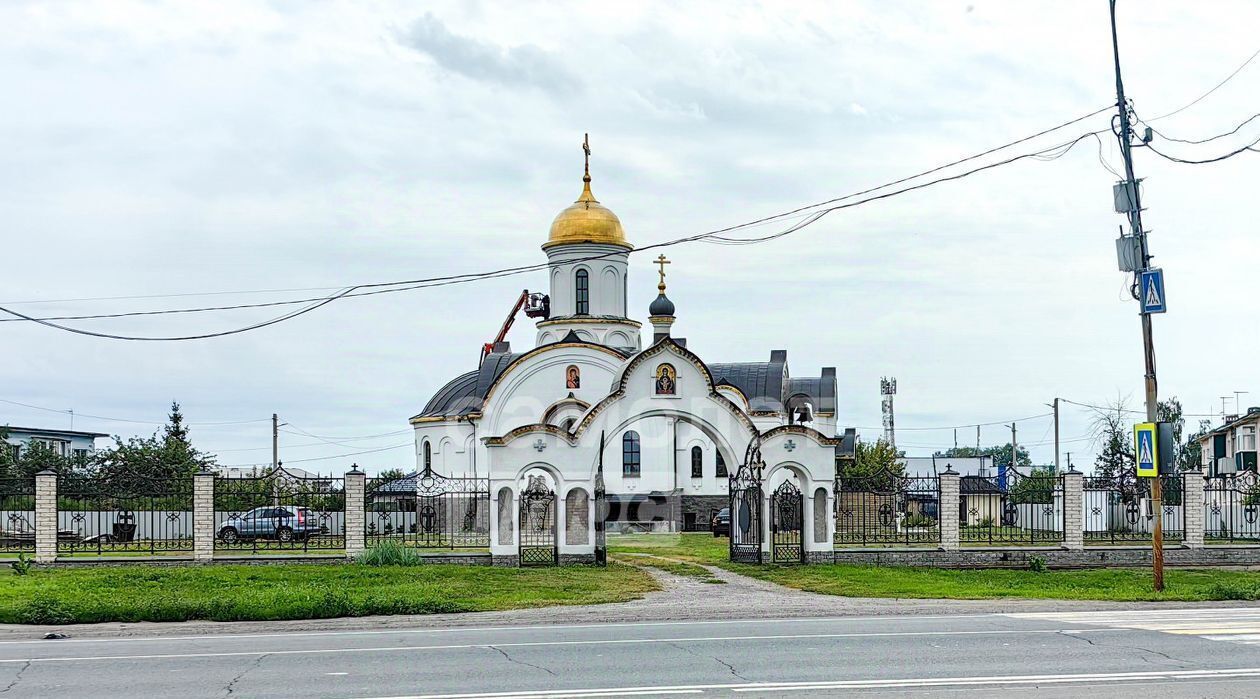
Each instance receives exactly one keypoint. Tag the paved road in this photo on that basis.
(1167, 652)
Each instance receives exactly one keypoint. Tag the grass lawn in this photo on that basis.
(312, 591)
(1114, 584)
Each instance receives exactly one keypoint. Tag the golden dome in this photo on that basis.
(586, 220)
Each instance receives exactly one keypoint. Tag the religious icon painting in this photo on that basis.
(572, 377)
(666, 380)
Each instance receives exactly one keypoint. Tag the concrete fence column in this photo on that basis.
(356, 487)
(1074, 511)
(1192, 508)
(203, 516)
(46, 517)
(947, 518)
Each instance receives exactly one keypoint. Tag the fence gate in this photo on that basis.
(538, 543)
(787, 515)
(744, 487)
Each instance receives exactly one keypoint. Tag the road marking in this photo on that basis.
(540, 644)
(1234, 625)
(473, 629)
(917, 682)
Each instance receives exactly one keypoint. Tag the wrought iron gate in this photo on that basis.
(787, 515)
(745, 507)
(538, 542)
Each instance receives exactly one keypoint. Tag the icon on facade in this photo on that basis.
(572, 377)
(666, 380)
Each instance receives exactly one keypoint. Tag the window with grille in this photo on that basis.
(630, 455)
(582, 288)
(721, 466)
(697, 462)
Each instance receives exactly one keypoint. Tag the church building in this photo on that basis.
(601, 403)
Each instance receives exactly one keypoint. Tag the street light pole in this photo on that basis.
(1125, 137)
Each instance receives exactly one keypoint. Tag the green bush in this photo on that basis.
(1036, 564)
(390, 553)
(919, 519)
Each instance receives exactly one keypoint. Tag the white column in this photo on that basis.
(356, 486)
(1073, 511)
(203, 516)
(46, 517)
(948, 515)
(1192, 508)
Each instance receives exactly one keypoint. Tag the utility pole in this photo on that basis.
(1055, 406)
(275, 441)
(1125, 137)
(1014, 448)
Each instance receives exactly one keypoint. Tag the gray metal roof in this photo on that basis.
(762, 383)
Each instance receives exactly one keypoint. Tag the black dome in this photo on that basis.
(662, 306)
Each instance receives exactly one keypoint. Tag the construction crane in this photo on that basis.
(535, 306)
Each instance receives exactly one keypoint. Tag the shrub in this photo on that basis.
(1037, 564)
(22, 565)
(919, 519)
(986, 522)
(390, 553)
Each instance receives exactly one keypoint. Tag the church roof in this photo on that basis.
(762, 383)
(465, 393)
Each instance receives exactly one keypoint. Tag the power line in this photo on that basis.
(120, 419)
(1248, 147)
(1203, 96)
(1201, 141)
(389, 287)
(334, 456)
(959, 427)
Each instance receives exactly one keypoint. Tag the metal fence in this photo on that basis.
(279, 512)
(888, 508)
(428, 510)
(101, 514)
(17, 515)
(1231, 508)
(1116, 509)
(1011, 509)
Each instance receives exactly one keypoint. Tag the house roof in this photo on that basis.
(46, 432)
(1253, 415)
(977, 485)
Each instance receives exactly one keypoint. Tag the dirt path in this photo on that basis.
(681, 599)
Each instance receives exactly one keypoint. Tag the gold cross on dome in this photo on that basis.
(662, 262)
(586, 148)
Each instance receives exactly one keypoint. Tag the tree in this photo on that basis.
(1190, 457)
(876, 466)
(167, 454)
(1112, 431)
(1169, 410)
(391, 474)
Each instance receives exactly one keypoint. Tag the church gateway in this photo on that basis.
(593, 427)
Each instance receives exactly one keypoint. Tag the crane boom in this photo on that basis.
(535, 305)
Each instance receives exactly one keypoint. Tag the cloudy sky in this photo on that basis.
(168, 155)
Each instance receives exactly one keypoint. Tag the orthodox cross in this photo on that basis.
(662, 262)
(540, 445)
(586, 148)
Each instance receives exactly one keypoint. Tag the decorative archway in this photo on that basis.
(787, 523)
(745, 506)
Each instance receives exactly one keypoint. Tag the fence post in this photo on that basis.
(203, 516)
(1192, 508)
(46, 517)
(1074, 511)
(947, 517)
(356, 485)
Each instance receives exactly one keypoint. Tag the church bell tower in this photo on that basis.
(588, 259)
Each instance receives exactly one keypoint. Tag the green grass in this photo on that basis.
(312, 591)
(1110, 584)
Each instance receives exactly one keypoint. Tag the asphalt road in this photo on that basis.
(1192, 653)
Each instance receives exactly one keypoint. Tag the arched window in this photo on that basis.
(582, 292)
(697, 462)
(721, 467)
(630, 456)
(428, 456)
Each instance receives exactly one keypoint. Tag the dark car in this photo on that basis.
(722, 522)
(283, 524)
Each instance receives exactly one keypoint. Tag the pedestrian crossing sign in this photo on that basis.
(1151, 291)
(1147, 449)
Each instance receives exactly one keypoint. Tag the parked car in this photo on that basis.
(284, 524)
(722, 522)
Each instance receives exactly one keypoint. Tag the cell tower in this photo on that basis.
(888, 388)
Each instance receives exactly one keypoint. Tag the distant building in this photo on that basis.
(928, 466)
(1231, 447)
(66, 443)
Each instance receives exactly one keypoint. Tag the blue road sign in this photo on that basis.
(1151, 291)
(1147, 449)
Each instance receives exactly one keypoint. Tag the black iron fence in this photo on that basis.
(99, 514)
(17, 515)
(276, 511)
(428, 510)
(1011, 509)
(1231, 508)
(1117, 509)
(888, 508)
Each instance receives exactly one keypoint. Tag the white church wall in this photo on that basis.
(448, 443)
(532, 384)
(604, 299)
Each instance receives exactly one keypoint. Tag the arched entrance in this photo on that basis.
(787, 523)
(539, 515)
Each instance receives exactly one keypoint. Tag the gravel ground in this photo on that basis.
(681, 599)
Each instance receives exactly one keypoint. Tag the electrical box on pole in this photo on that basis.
(1127, 196)
(1129, 253)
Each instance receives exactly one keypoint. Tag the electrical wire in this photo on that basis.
(390, 287)
(1203, 96)
(959, 427)
(1201, 141)
(1249, 147)
(120, 419)
(326, 458)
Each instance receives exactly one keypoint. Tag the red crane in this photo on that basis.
(535, 305)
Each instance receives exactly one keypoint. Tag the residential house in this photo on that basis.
(66, 443)
(1231, 447)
